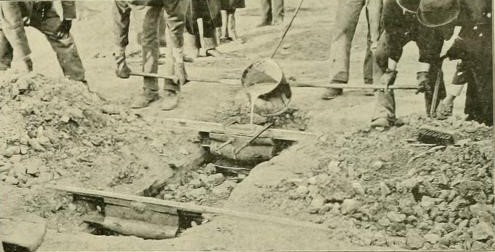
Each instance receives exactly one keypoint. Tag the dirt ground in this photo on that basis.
(118, 149)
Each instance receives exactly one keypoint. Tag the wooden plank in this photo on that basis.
(188, 207)
(125, 203)
(240, 130)
(241, 139)
(146, 215)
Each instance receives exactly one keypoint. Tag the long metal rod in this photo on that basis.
(261, 131)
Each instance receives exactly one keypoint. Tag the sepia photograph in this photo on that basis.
(246, 125)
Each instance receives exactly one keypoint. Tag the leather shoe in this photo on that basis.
(331, 93)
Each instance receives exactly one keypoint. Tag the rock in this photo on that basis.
(24, 150)
(197, 193)
(312, 181)
(384, 222)
(301, 191)
(350, 206)
(384, 190)
(432, 238)
(483, 231)
(35, 144)
(210, 169)
(322, 179)
(195, 183)
(358, 188)
(316, 204)
(215, 179)
(333, 167)
(221, 191)
(11, 180)
(396, 217)
(378, 164)
(11, 151)
(478, 246)
(414, 240)
(326, 208)
(427, 202)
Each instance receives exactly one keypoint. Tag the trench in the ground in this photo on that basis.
(225, 166)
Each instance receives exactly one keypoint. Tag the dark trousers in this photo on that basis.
(65, 48)
(399, 29)
(272, 12)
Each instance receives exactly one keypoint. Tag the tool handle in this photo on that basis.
(287, 29)
(352, 86)
(253, 138)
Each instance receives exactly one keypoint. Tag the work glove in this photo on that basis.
(423, 82)
(26, 21)
(64, 29)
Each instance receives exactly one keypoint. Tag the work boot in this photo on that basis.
(331, 93)
(170, 100)
(144, 99)
(122, 70)
(382, 122)
(215, 53)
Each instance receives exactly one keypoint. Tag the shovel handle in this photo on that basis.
(287, 29)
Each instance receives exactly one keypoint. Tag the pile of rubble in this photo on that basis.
(238, 111)
(205, 186)
(403, 193)
(51, 128)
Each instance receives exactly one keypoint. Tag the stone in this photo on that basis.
(350, 206)
(396, 217)
(432, 238)
(333, 167)
(302, 191)
(384, 190)
(414, 240)
(11, 151)
(427, 202)
(483, 231)
(316, 204)
(326, 208)
(312, 180)
(478, 246)
(384, 222)
(358, 188)
(195, 183)
(221, 191)
(11, 180)
(197, 193)
(378, 164)
(210, 169)
(215, 179)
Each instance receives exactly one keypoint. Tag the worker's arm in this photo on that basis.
(68, 14)
(12, 25)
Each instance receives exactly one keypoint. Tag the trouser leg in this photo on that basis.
(209, 32)
(150, 46)
(6, 53)
(65, 48)
(389, 47)
(13, 30)
(266, 12)
(175, 20)
(121, 12)
(278, 11)
(430, 43)
(232, 24)
(343, 33)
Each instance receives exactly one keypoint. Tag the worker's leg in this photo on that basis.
(65, 48)
(13, 30)
(150, 53)
(121, 12)
(266, 12)
(175, 20)
(387, 54)
(278, 12)
(373, 16)
(6, 53)
(340, 48)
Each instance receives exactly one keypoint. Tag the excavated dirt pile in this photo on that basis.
(60, 130)
(401, 193)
